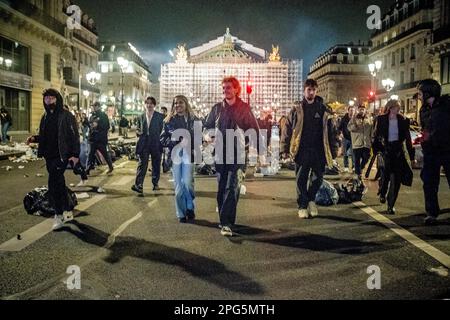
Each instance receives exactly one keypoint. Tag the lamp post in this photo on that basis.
(123, 64)
(374, 69)
(93, 77)
(388, 84)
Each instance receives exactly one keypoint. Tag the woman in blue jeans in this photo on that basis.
(180, 118)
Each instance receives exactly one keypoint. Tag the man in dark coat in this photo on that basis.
(149, 128)
(98, 137)
(435, 122)
(59, 145)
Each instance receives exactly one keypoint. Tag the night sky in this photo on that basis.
(303, 29)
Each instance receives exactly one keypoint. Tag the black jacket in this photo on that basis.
(176, 123)
(149, 137)
(68, 137)
(238, 116)
(435, 123)
(343, 127)
(380, 140)
(99, 134)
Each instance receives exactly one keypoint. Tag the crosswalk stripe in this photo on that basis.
(35, 233)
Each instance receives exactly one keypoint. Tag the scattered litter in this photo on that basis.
(117, 296)
(441, 271)
(83, 195)
(19, 237)
(39, 175)
(243, 190)
(25, 176)
(21, 167)
(8, 168)
(100, 190)
(259, 175)
(72, 184)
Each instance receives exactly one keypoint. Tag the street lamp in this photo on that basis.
(93, 77)
(86, 96)
(123, 64)
(351, 103)
(388, 84)
(374, 69)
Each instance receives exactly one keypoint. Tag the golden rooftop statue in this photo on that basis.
(275, 55)
(182, 54)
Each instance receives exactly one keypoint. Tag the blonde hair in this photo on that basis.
(173, 111)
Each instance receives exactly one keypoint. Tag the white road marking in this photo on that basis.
(40, 230)
(438, 255)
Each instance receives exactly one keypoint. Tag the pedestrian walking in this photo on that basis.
(347, 148)
(98, 137)
(6, 121)
(392, 140)
(435, 122)
(307, 137)
(230, 114)
(123, 125)
(361, 127)
(150, 127)
(59, 145)
(182, 117)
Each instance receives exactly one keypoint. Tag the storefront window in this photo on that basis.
(14, 57)
(17, 102)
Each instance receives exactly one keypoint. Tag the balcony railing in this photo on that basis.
(38, 15)
(86, 41)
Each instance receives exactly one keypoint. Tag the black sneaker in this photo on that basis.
(190, 214)
(391, 211)
(156, 188)
(382, 199)
(137, 189)
(182, 220)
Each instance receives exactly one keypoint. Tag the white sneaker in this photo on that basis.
(226, 232)
(303, 214)
(68, 216)
(312, 209)
(82, 183)
(58, 223)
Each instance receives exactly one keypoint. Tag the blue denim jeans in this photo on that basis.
(348, 152)
(183, 179)
(5, 128)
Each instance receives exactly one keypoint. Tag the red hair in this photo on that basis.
(235, 82)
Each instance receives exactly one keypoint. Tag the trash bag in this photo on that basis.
(352, 191)
(38, 200)
(327, 195)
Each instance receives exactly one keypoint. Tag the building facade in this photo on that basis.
(402, 45)
(133, 79)
(197, 73)
(36, 45)
(341, 73)
(439, 50)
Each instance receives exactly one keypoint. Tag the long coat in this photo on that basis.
(381, 137)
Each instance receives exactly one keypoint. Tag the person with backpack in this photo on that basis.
(392, 139)
(435, 122)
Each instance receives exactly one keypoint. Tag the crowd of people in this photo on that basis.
(311, 136)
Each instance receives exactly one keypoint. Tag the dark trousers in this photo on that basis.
(309, 174)
(144, 157)
(431, 177)
(229, 178)
(392, 173)
(57, 185)
(362, 156)
(102, 148)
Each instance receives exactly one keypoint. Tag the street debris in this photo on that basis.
(440, 271)
(83, 195)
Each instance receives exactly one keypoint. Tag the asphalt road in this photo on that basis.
(130, 247)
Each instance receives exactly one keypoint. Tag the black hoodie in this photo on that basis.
(58, 130)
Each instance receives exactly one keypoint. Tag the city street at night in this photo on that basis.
(131, 247)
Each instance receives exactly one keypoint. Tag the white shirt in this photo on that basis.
(393, 130)
(149, 119)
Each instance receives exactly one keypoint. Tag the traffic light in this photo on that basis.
(249, 88)
(371, 96)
